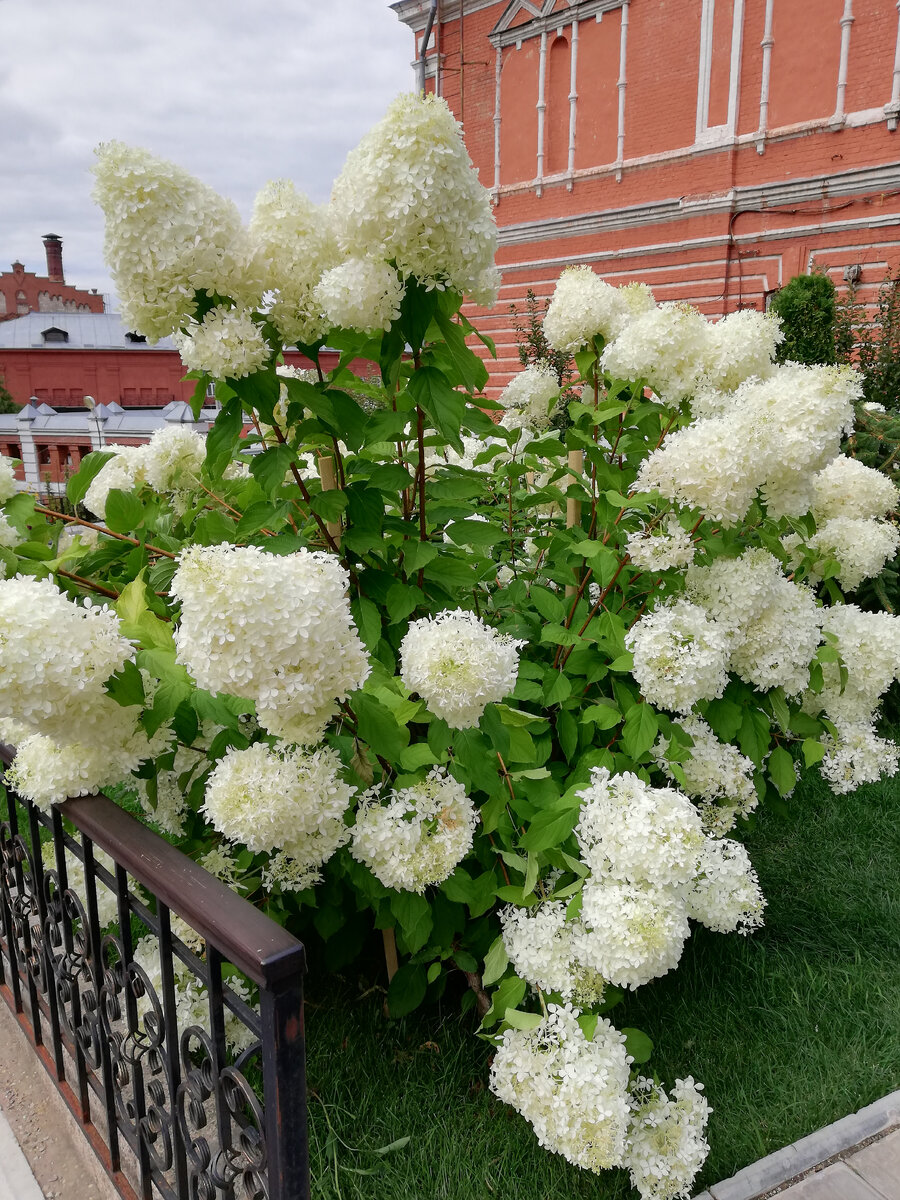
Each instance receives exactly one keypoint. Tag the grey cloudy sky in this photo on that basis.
(236, 92)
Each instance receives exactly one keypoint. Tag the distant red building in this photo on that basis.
(24, 292)
(710, 148)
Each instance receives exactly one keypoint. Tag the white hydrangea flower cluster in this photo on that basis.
(56, 657)
(573, 1091)
(170, 463)
(648, 859)
(772, 625)
(458, 665)
(529, 398)
(191, 996)
(7, 479)
(543, 948)
(584, 307)
(857, 756)
(227, 344)
(408, 194)
(668, 346)
(295, 239)
(9, 535)
(107, 901)
(417, 838)
(680, 656)
(661, 549)
(773, 434)
(742, 345)
(666, 1144)
(244, 610)
(48, 771)
(292, 801)
(859, 544)
(361, 293)
(716, 774)
(168, 236)
(848, 488)
(869, 644)
(725, 896)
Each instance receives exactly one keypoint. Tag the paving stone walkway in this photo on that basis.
(857, 1158)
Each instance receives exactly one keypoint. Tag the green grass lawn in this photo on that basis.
(789, 1030)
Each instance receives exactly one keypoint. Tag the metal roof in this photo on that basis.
(87, 331)
(115, 421)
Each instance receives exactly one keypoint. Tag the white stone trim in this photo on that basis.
(767, 43)
(541, 110)
(579, 10)
(498, 71)
(573, 98)
(706, 133)
(892, 108)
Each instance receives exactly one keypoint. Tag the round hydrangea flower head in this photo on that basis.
(243, 610)
(635, 833)
(668, 346)
(55, 656)
(772, 623)
(869, 644)
(47, 771)
(227, 344)
(742, 345)
(848, 488)
(361, 293)
(9, 535)
(167, 236)
(680, 656)
(725, 896)
(419, 837)
(295, 240)
(857, 756)
(7, 479)
(292, 801)
(860, 544)
(458, 665)
(661, 549)
(531, 394)
(714, 465)
(667, 1143)
(543, 948)
(124, 471)
(572, 1090)
(636, 931)
(584, 307)
(716, 774)
(408, 194)
(173, 459)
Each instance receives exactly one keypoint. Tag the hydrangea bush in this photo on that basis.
(381, 661)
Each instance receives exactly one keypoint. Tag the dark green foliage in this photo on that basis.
(806, 305)
(7, 404)
(873, 346)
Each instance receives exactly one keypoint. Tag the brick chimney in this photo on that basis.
(53, 246)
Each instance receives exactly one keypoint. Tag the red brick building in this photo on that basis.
(710, 148)
(24, 292)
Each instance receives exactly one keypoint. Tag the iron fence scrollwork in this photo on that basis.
(188, 1084)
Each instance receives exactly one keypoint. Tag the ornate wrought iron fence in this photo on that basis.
(181, 1052)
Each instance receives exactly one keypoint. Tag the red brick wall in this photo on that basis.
(675, 212)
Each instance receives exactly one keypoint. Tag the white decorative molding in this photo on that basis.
(706, 133)
(892, 108)
(846, 25)
(414, 13)
(856, 181)
(620, 87)
(546, 20)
